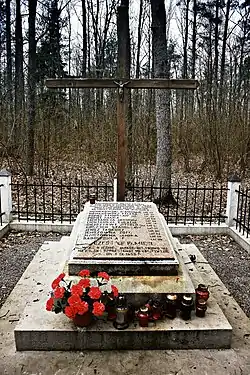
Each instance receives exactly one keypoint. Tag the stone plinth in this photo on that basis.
(139, 288)
(42, 330)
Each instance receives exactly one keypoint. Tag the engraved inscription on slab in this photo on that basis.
(123, 231)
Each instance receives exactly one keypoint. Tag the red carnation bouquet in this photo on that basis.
(92, 292)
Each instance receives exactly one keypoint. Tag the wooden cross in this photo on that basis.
(121, 85)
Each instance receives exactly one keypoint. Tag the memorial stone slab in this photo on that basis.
(123, 234)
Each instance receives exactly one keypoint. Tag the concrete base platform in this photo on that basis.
(42, 330)
(234, 361)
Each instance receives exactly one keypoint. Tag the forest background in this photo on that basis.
(46, 132)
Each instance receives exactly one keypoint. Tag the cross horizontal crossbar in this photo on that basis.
(160, 83)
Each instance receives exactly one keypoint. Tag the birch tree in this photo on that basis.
(31, 88)
(162, 97)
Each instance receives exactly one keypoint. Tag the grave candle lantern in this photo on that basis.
(171, 306)
(202, 292)
(201, 307)
(111, 309)
(143, 316)
(121, 321)
(156, 311)
(186, 307)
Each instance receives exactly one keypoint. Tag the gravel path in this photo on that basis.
(229, 261)
(17, 249)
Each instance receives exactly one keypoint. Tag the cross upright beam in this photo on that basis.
(122, 85)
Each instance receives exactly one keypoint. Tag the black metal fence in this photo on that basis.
(190, 205)
(1, 213)
(243, 211)
(62, 202)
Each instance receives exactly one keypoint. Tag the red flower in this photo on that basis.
(76, 290)
(49, 304)
(84, 273)
(59, 292)
(74, 299)
(95, 292)
(84, 283)
(98, 308)
(70, 312)
(114, 290)
(82, 308)
(104, 275)
(55, 283)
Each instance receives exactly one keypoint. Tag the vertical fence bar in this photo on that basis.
(35, 201)
(238, 208)
(142, 191)
(105, 192)
(248, 220)
(203, 204)
(177, 203)
(151, 191)
(241, 206)
(220, 206)
(70, 213)
(195, 199)
(87, 191)
(18, 202)
(133, 193)
(115, 189)
(61, 200)
(44, 206)
(212, 206)
(1, 216)
(168, 207)
(245, 211)
(186, 202)
(160, 195)
(52, 202)
(26, 199)
(78, 196)
(97, 190)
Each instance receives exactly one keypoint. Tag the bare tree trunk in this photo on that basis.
(162, 97)
(19, 78)
(185, 62)
(69, 64)
(124, 60)
(216, 57)
(9, 71)
(137, 72)
(31, 88)
(84, 39)
(224, 43)
(194, 37)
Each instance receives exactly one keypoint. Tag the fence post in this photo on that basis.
(232, 199)
(115, 188)
(6, 199)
